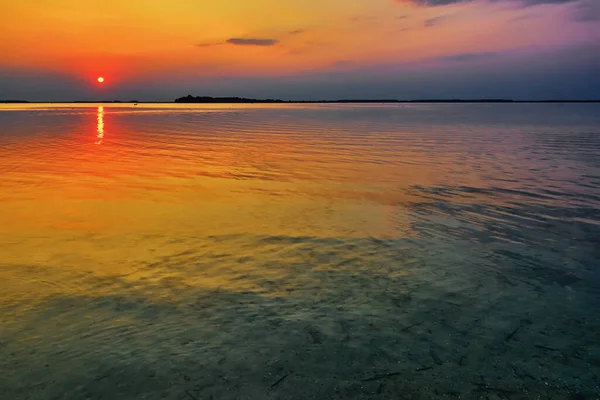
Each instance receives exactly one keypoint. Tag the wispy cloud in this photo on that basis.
(364, 18)
(523, 3)
(523, 17)
(432, 3)
(435, 21)
(342, 64)
(252, 42)
(210, 44)
(586, 11)
(467, 57)
(529, 3)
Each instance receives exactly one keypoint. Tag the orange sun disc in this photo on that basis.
(100, 79)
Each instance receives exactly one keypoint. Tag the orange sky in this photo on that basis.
(134, 39)
(144, 35)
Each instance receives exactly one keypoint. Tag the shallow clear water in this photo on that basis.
(317, 251)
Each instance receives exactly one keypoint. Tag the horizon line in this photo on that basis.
(234, 100)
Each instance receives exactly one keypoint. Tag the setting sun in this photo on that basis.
(100, 79)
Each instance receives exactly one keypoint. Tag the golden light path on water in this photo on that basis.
(100, 125)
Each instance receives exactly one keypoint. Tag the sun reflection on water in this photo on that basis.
(100, 126)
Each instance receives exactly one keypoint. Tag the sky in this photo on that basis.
(157, 50)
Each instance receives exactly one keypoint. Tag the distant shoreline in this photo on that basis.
(240, 100)
(233, 100)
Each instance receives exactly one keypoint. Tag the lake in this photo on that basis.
(407, 251)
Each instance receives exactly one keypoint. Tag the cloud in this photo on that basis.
(523, 17)
(297, 32)
(343, 64)
(529, 3)
(434, 21)
(365, 19)
(524, 3)
(466, 57)
(246, 41)
(209, 44)
(432, 3)
(362, 18)
(252, 42)
(586, 11)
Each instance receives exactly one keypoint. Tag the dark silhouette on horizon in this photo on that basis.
(242, 100)
(208, 99)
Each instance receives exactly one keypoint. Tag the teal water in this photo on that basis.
(292, 252)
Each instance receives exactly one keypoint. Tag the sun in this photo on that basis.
(100, 79)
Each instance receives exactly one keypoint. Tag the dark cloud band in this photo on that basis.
(252, 42)
(466, 57)
(524, 3)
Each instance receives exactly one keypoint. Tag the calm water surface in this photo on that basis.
(296, 252)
